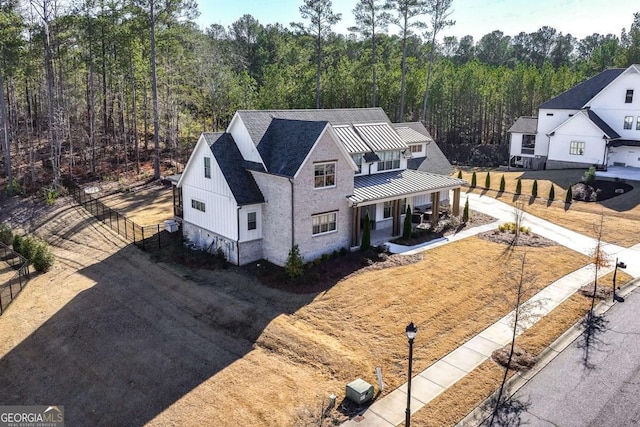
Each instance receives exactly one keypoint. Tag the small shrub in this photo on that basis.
(569, 197)
(465, 212)
(474, 180)
(6, 235)
(325, 257)
(519, 187)
(552, 193)
(14, 187)
(460, 174)
(487, 181)
(366, 233)
(50, 196)
(534, 189)
(503, 184)
(344, 251)
(28, 247)
(334, 254)
(406, 230)
(317, 261)
(294, 266)
(589, 175)
(17, 243)
(43, 259)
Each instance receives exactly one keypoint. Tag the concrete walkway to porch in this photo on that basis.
(428, 384)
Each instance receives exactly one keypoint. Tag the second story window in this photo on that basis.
(207, 167)
(628, 122)
(415, 148)
(389, 160)
(252, 222)
(628, 99)
(357, 158)
(324, 175)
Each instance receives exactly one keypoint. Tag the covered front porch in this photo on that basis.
(384, 197)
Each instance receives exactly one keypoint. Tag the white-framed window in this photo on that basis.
(387, 210)
(638, 123)
(324, 223)
(576, 148)
(403, 206)
(628, 99)
(207, 167)
(357, 158)
(198, 205)
(628, 122)
(528, 144)
(388, 160)
(324, 175)
(252, 221)
(415, 148)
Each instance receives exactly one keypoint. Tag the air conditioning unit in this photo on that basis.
(171, 226)
(359, 391)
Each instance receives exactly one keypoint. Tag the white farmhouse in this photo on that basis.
(596, 123)
(279, 178)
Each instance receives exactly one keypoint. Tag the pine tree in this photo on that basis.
(503, 184)
(465, 212)
(474, 180)
(406, 232)
(569, 196)
(534, 189)
(294, 266)
(487, 181)
(519, 187)
(552, 193)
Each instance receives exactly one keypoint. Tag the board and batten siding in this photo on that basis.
(243, 140)
(247, 235)
(610, 104)
(220, 214)
(579, 129)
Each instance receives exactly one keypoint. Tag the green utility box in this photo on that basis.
(359, 391)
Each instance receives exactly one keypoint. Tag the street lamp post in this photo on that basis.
(411, 332)
(615, 273)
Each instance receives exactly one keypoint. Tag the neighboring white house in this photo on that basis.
(281, 178)
(594, 123)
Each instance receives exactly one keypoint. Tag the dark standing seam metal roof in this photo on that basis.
(286, 143)
(435, 161)
(369, 188)
(257, 121)
(525, 124)
(602, 125)
(243, 186)
(576, 97)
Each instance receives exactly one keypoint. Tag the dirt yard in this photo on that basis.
(109, 328)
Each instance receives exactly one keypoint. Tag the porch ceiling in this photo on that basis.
(390, 185)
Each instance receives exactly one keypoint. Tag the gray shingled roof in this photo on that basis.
(525, 124)
(602, 125)
(577, 97)
(435, 161)
(257, 121)
(286, 143)
(398, 184)
(409, 135)
(243, 186)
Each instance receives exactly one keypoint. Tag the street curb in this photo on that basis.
(477, 416)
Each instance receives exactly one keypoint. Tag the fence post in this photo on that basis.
(125, 229)
(159, 236)
(0, 302)
(118, 221)
(142, 228)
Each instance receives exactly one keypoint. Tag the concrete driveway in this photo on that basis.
(626, 173)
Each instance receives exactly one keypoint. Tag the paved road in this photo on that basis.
(565, 393)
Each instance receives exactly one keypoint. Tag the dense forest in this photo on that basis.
(99, 87)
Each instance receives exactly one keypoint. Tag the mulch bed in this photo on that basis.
(599, 190)
(507, 238)
(520, 360)
(476, 219)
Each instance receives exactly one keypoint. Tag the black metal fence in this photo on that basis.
(10, 289)
(146, 237)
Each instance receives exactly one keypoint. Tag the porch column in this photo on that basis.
(456, 202)
(395, 213)
(435, 208)
(355, 233)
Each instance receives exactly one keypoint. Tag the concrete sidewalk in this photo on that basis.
(428, 384)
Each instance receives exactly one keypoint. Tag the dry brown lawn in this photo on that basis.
(109, 328)
(622, 213)
(465, 395)
(149, 206)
